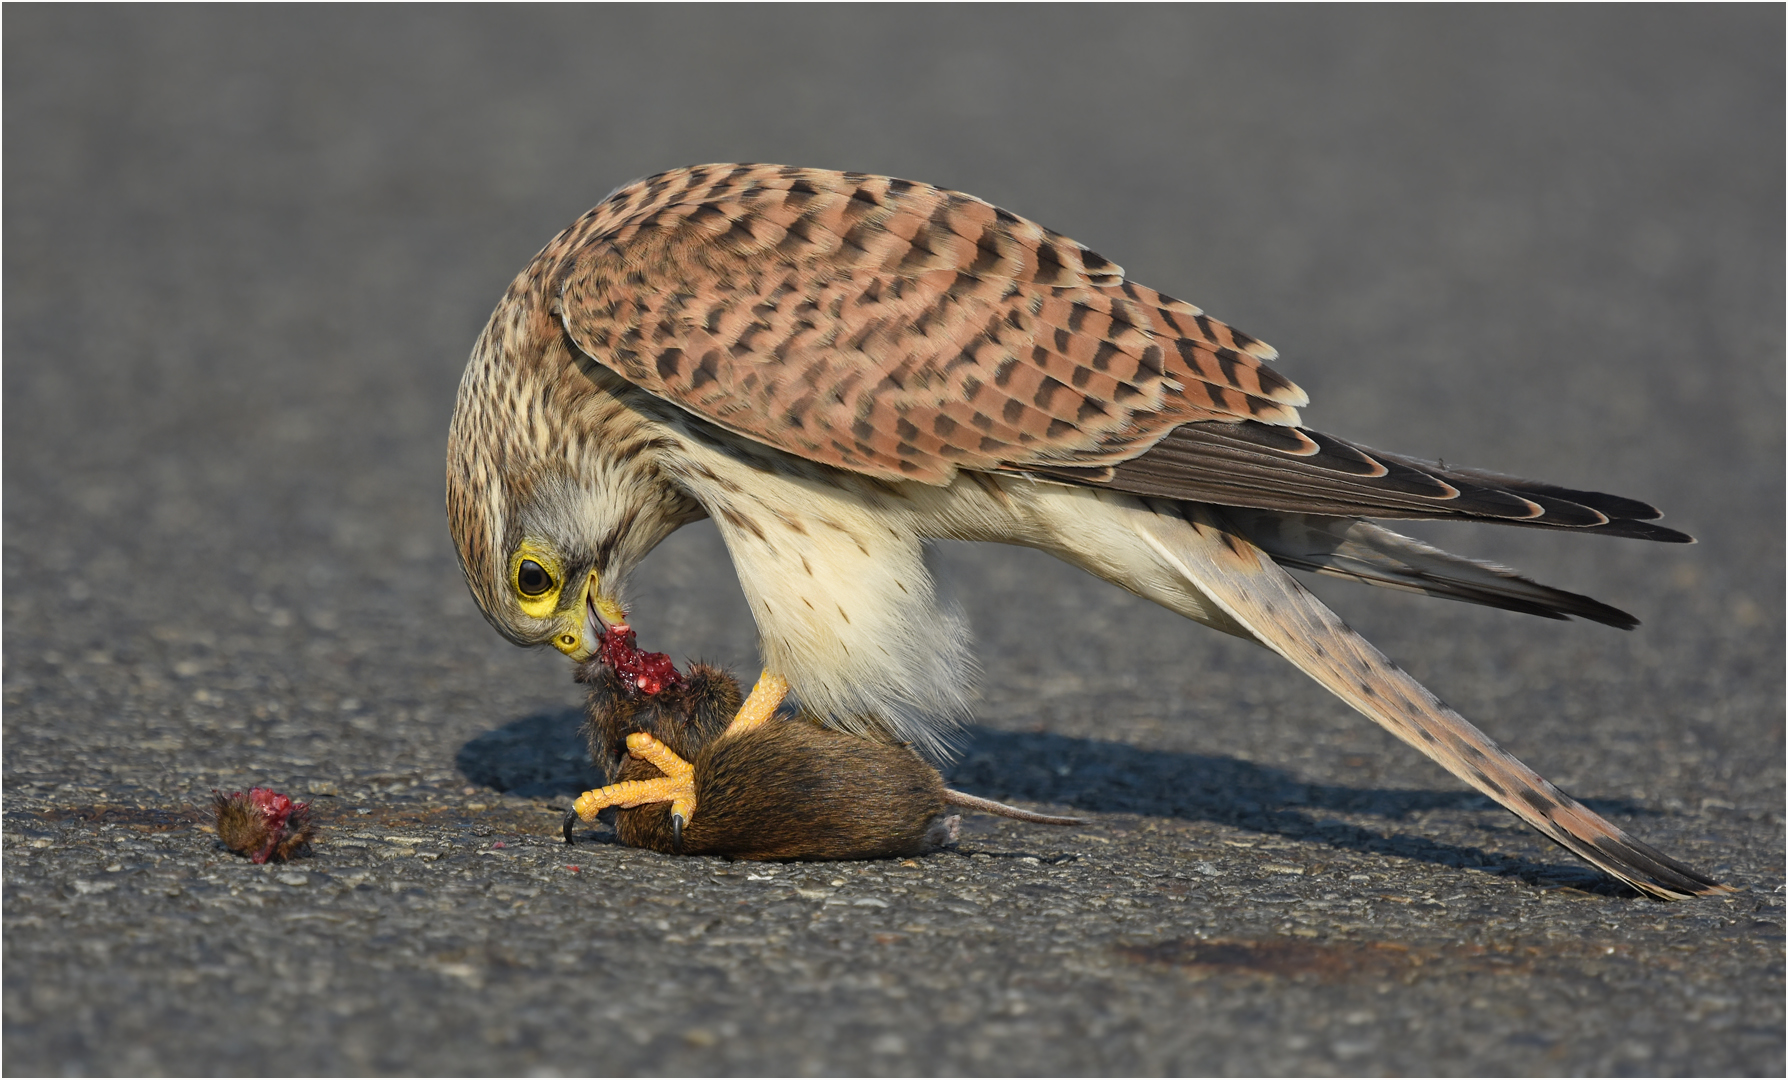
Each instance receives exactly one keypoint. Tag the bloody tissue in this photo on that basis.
(263, 824)
(648, 672)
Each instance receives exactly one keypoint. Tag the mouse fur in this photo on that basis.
(787, 789)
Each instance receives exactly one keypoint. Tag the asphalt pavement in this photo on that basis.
(247, 251)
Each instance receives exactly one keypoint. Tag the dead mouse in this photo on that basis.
(787, 788)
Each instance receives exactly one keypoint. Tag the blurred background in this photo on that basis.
(247, 251)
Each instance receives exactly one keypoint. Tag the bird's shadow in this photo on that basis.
(543, 756)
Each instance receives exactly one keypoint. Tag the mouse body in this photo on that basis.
(787, 789)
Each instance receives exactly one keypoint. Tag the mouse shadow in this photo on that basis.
(543, 756)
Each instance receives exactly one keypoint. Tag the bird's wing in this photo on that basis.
(1296, 470)
(906, 331)
(891, 327)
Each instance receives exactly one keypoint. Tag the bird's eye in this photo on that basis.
(531, 578)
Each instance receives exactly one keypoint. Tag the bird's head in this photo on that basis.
(547, 553)
(552, 498)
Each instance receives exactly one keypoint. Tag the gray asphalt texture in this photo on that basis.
(247, 251)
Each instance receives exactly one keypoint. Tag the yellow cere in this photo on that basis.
(570, 640)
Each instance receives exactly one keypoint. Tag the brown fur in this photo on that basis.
(788, 789)
(248, 828)
(685, 716)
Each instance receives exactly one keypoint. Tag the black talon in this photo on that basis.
(677, 832)
(570, 821)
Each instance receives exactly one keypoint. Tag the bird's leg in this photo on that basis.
(766, 697)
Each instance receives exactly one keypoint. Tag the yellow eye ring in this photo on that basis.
(535, 577)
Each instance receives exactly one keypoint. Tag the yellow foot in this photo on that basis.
(676, 786)
(765, 698)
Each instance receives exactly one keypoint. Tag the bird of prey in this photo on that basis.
(838, 367)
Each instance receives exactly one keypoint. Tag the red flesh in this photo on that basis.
(276, 811)
(648, 672)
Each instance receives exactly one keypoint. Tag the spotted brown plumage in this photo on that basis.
(892, 328)
(837, 368)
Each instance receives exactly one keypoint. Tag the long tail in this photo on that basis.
(1374, 555)
(1244, 582)
(988, 806)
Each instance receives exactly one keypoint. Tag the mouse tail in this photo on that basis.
(988, 806)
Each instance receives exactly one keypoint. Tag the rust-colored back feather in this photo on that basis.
(891, 327)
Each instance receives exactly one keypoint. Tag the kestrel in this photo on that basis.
(837, 367)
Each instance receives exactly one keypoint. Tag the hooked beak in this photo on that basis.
(599, 615)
